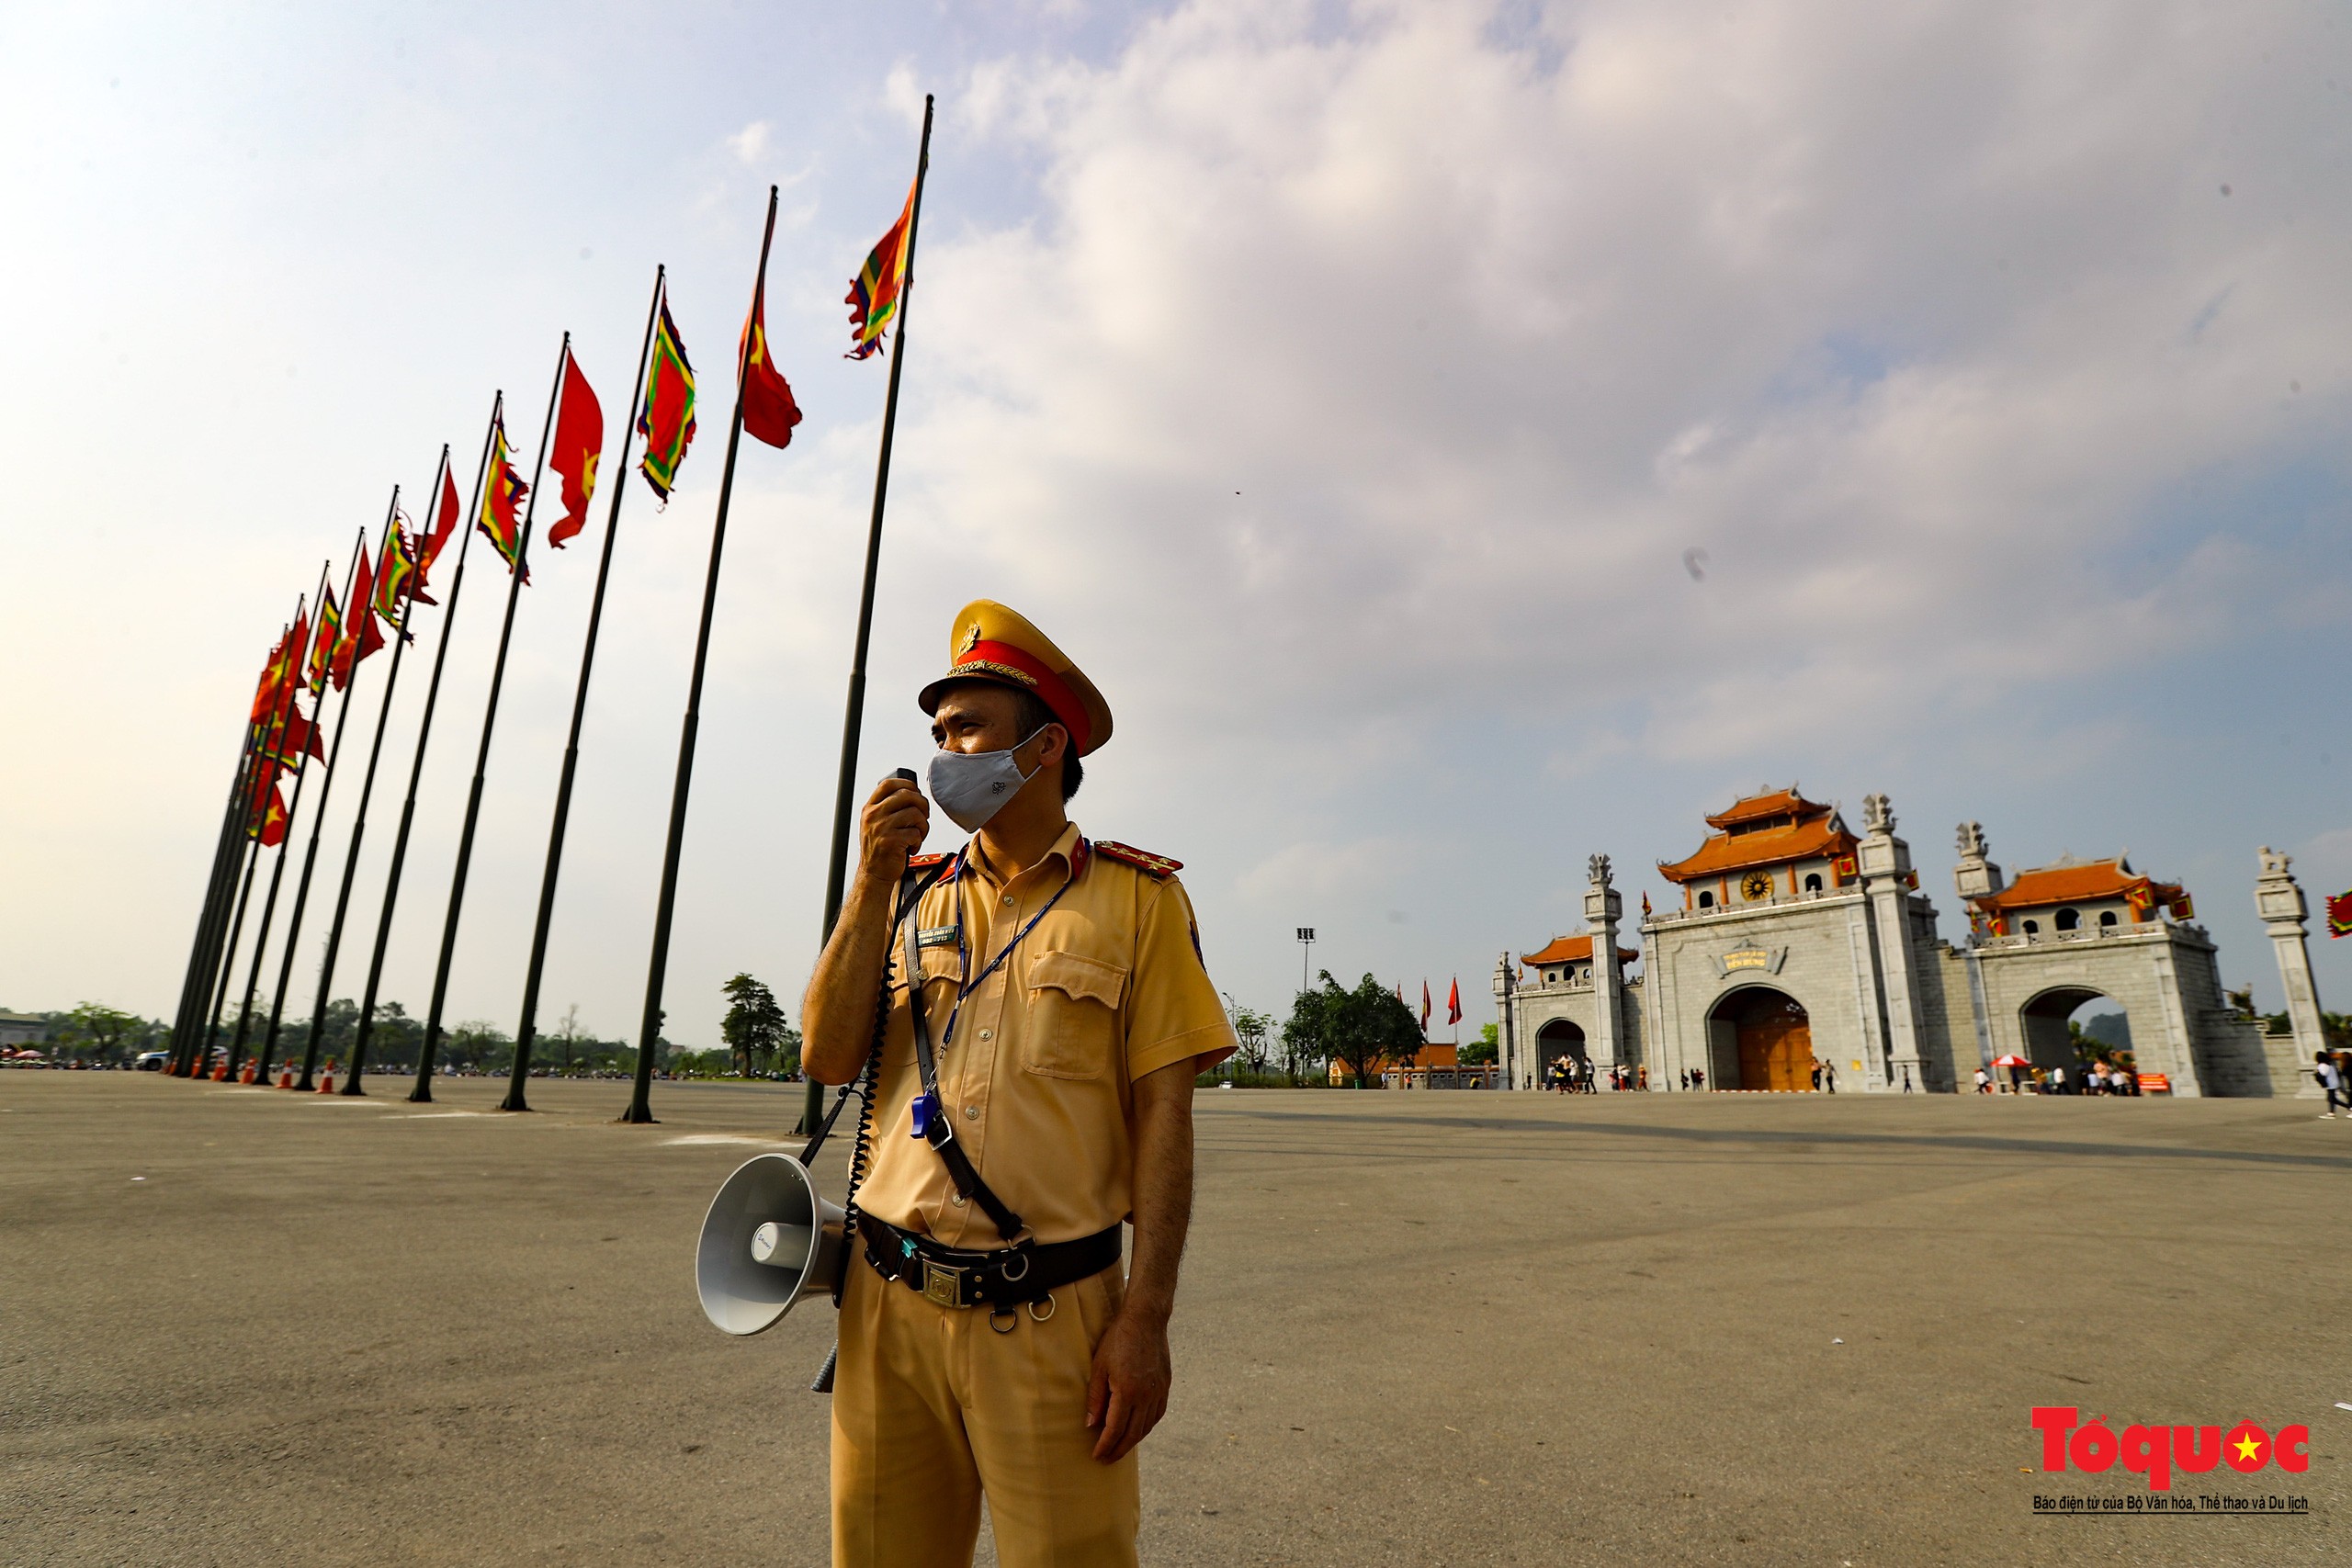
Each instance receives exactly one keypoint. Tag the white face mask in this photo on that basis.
(972, 786)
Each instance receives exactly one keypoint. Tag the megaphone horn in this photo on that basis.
(768, 1244)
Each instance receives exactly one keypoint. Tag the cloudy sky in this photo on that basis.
(1459, 438)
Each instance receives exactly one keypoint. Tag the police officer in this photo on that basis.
(989, 1343)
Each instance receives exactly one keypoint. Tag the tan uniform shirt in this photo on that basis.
(1108, 987)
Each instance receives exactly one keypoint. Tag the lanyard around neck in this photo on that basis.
(947, 1037)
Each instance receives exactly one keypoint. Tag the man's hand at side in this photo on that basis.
(1132, 1372)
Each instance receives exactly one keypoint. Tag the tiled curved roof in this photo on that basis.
(1772, 803)
(1821, 836)
(1571, 949)
(2078, 884)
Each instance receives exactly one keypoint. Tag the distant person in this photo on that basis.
(2332, 1080)
(1907, 1077)
(1816, 1075)
(1984, 1081)
(2056, 1082)
(1699, 1078)
(1829, 1075)
(1686, 1080)
(1642, 1077)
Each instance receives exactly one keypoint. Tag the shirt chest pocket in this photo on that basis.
(1073, 1014)
(943, 976)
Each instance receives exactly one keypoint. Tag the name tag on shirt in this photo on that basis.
(936, 936)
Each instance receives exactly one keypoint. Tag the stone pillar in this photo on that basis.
(2279, 902)
(1506, 1004)
(1884, 861)
(1601, 909)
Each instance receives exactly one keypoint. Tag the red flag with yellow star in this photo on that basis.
(578, 445)
(769, 411)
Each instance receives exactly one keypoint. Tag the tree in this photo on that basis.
(96, 1033)
(1363, 1027)
(1488, 1045)
(1250, 1028)
(754, 1027)
(570, 1033)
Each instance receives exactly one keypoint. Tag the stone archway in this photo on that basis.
(2044, 1017)
(1765, 1037)
(1557, 1039)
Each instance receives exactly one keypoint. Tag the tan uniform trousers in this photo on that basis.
(933, 1407)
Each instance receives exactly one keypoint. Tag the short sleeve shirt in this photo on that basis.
(1038, 1076)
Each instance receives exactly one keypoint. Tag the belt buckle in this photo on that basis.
(943, 1284)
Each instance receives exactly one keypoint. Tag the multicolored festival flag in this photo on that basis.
(501, 501)
(872, 296)
(769, 411)
(667, 421)
(330, 638)
(397, 571)
(578, 445)
(2339, 915)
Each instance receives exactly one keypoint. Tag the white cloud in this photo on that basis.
(751, 144)
(1888, 311)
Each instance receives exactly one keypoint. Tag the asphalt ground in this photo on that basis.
(256, 1327)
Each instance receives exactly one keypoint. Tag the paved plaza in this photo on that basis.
(246, 1326)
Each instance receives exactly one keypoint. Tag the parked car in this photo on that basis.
(153, 1061)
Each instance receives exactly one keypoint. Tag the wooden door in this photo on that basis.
(1776, 1048)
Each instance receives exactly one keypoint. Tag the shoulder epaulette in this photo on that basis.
(1159, 866)
(926, 863)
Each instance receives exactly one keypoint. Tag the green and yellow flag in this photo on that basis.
(399, 569)
(666, 417)
(322, 647)
(502, 502)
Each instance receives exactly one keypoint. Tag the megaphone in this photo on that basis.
(768, 1244)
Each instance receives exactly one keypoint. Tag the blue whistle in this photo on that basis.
(925, 1107)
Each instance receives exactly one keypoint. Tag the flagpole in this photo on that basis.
(229, 855)
(422, 1093)
(649, 1042)
(525, 1031)
(318, 822)
(205, 962)
(516, 570)
(212, 987)
(385, 552)
(288, 714)
(293, 813)
(220, 887)
(853, 720)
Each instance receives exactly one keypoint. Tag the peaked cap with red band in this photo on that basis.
(991, 642)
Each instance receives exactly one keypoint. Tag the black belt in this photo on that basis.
(1005, 1277)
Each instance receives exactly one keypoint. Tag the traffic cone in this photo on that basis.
(286, 1075)
(221, 1073)
(327, 1083)
(246, 1076)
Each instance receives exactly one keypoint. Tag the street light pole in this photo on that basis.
(1305, 952)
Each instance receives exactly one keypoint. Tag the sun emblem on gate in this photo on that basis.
(1755, 885)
